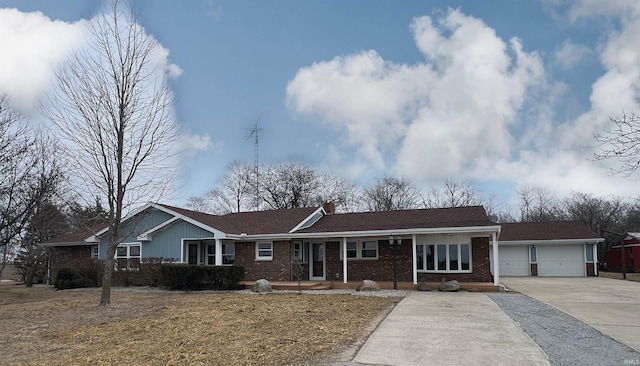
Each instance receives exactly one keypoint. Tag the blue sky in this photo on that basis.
(501, 93)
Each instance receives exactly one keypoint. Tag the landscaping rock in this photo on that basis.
(368, 285)
(423, 286)
(449, 286)
(262, 286)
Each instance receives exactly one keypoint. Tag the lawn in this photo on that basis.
(618, 275)
(43, 326)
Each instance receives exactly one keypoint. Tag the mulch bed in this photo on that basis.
(40, 325)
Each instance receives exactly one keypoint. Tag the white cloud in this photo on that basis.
(569, 54)
(193, 142)
(438, 117)
(478, 107)
(32, 45)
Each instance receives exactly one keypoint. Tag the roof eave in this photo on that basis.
(369, 233)
(551, 241)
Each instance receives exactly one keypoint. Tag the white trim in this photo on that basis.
(145, 236)
(447, 258)
(476, 231)
(414, 267)
(258, 257)
(344, 259)
(214, 231)
(299, 226)
(218, 258)
(324, 261)
(496, 259)
(552, 242)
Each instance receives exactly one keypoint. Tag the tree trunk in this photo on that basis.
(105, 297)
(32, 274)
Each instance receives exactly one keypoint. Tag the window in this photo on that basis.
(369, 249)
(533, 254)
(264, 251)
(300, 251)
(366, 249)
(228, 253)
(589, 249)
(443, 257)
(211, 254)
(94, 252)
(128, 256)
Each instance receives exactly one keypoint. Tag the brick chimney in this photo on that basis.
(329, 207)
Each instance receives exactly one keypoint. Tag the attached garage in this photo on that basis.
(514, 261)
(561, 260)
(552, 248)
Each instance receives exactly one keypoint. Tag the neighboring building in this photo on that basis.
(435, 244)
(631, 254)
(553, 248)
(72, 247)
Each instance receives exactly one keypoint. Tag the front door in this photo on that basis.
(192, 253)
(318, 267)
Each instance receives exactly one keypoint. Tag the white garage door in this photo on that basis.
(514, 261)
(566, 260)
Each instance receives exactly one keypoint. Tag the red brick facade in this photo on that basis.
(590, 269)
(380, 269)
(534, 269)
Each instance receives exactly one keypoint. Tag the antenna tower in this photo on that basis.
(254, 134)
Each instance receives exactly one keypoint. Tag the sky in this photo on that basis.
(502, 94)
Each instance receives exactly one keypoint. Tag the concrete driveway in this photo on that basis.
(440, 328)
(611, 306)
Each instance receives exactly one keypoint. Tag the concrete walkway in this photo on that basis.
(439, 328)
(611, 306)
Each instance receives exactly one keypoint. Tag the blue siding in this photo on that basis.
(143, 222)
(166, 243)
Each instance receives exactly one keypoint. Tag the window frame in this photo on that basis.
(359, 249)
(128, 257)
(95, 252)
(302, 255)
(260, 257)
(589, 249)
(437, 248)
(533, 254)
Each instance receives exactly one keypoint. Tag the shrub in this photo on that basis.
(193, 277)
(146, 273)
(86, 273)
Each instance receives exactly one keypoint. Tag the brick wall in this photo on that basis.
(590, 270)
(278, 269)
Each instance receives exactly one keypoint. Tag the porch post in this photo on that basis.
(344, 260)
(414, 266)
(218, 252)
(496, 263)
(595, 259)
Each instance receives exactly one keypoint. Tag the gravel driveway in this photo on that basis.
(564, 339)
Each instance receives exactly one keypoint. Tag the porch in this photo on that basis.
(386, 285)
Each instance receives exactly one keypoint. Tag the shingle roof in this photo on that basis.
(77, 236)
(548, 230)
(402, 219)
(250, 223)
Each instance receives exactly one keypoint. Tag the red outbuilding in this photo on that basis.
(631, 253)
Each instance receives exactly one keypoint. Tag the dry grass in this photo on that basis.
(160, 328)
(618, 275)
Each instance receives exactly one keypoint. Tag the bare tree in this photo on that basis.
(621, 142)
(28, 171)
(453, 193)
(391, 193)
(234, 191)
(539, 204)
(113, 106)
(289, 184)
